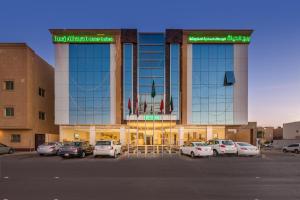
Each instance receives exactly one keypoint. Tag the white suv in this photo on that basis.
(107, 148)
(221, 147)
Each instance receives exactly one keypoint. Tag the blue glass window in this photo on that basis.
(89, 83)
(211, 101)
(151, 66)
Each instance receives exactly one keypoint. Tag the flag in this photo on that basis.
(161, 106)
(145, 106)
(137, 106)
(171, 105)
(153, 93)
(129, 106)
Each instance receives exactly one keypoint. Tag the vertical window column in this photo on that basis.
(175, 77)
(127, 77)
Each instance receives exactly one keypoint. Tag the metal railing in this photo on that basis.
(150, 149)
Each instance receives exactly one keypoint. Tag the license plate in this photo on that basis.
(66, 154)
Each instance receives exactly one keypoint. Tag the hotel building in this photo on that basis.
(97, 71)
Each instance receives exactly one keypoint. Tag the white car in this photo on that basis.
(196, 149)
(246, 149)
(107, 148)
(221, 147)
(49, 148)
(291, 148)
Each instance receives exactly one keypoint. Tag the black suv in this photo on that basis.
(75, 149)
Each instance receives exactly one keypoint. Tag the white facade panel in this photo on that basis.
(189, 82)
(112, 84)
(61, 84)
(240, 88)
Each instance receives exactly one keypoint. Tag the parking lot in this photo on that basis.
(274, 175)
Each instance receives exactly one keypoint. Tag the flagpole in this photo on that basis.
(129, 136)
(170, 129)
(137, 130)
(153, 123)
(162, 133)
(145, 109)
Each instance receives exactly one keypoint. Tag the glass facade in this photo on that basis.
(151, 66)
(175, 77)
(212, 101)
(127, 77)
(89, 83)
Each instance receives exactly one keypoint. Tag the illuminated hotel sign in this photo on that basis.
(151, 117)
(82, 39)
(198, 38)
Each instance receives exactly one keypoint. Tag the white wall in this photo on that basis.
(189, 82)
(113, 84)
(61, 84)
(240, 88)
(291, 130)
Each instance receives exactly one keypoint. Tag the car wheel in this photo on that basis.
(215, 153)
(284, 151)
(192, 155)
(83, 154)
(11, 151)
(296, 151)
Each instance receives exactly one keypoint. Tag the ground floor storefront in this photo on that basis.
(143, 133)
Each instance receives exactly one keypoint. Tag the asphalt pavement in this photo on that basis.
(274, 175)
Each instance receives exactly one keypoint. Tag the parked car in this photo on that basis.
(107, 148)
(292, 148)
(49, 148)
(221, 147)
(75, 149)
(267, 145)
(194, 149)
(246, 149)
(4, 149)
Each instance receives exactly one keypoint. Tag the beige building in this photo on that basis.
(26, 98)
(291, 130)
(245, 133)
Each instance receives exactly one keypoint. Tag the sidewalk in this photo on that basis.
(18, 153)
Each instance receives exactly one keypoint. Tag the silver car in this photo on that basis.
(292, 148)
(49, 148)
(5, 149)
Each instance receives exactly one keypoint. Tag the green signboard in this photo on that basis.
(82, 39)
(151, 117)
(198, 38)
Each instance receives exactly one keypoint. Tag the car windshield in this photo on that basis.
(227, 142)
(77, 144)
(103, 143)
(200, 144)
(243, 144)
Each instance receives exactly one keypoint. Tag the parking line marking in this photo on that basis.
(5, 177)
(257, 177)
(56, 177)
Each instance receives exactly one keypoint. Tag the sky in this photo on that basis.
(274, 52)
